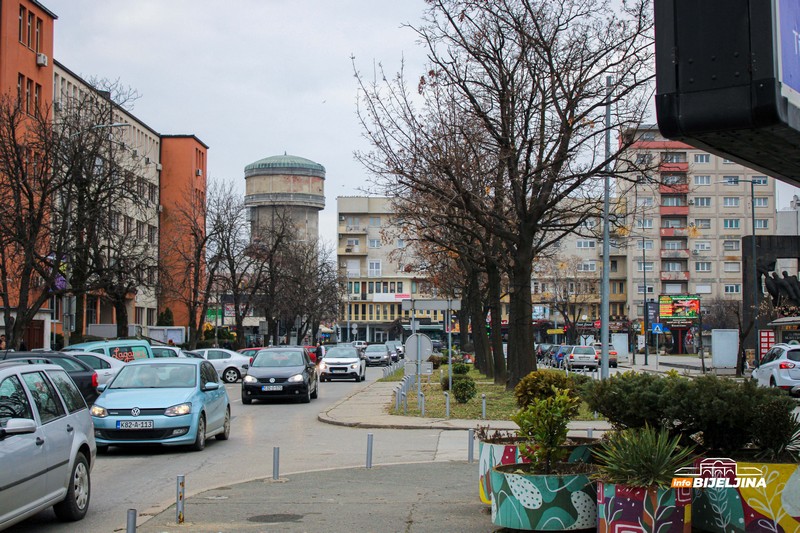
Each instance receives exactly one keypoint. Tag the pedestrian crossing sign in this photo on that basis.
(658, 329)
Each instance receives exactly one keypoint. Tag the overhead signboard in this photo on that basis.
(679, 310)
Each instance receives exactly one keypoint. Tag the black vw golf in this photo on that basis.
(281, 372)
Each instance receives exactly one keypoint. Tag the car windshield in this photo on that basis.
(584, 350)
(341, 353)
(160, 376)
(376, 348)
(270, 358)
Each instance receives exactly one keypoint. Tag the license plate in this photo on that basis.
(337, 369)
(271, 387)
(134, 424)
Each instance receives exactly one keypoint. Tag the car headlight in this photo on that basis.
(250, 379)
(178, 410)
(323, 366)
(354, 366)
(99, 411)
(295, 378)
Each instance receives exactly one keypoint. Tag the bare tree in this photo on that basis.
(570, 290)
(533, 76)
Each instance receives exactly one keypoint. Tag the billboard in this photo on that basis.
(679, 310)
(788, 15)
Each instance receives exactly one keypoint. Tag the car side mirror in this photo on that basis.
(18, 426)
(101, 388)
(210, 386)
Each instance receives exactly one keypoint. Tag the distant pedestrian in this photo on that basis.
(170, 342)
(3, 344)
(320, 352)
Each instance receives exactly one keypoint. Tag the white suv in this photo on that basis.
(47, 445)
(780, 367)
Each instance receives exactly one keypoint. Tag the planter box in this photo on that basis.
(775, 507)
(542, 503)
(626, 509)
(491, 455)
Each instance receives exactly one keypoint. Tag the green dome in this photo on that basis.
(285, 164)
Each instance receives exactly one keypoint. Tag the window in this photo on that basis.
(730, 246)
(762, 223)
(28, 94)
(29, 30)
(401, 243)
(353, 222)
(730, 223)
(590, 223)
(674, 179)
(374, 268)
(640, 289)
(645, 266)
(702, 223)
(46, 400)
(759, 180)
(669, 244)
(672, 266)
(673, 223)
(702, 266)
(645, 201)
(141, 231)
(115, 221)
(613, 265)
(761, 201)
(70, 393)
(353, 243)
(730, 266)
(586, 243)
(152, 234)
(375, 222)
(673, 201)
(702, 246)
(37, 98)
(645, 244)
(14, 400)
(730, 201)
(673, 157)
(730, 180)
(588, 266)
(643, 158)
(152, 278)
(702, 180)
(702, 158)
(727, 161)
(703, 289)
(733, 288)
(128, 229)
(23, 16)
(152, 192)
(374, 243)
(151, 317)
(38, 40)
(648, 136)
(644, 223)
(702, 201)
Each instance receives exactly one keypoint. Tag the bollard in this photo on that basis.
(276, 456)
(405, 402)
(131, 527)
(397, 399)
(483, 406)
(369, 450)
(447, 404)
(422, 404)
(589, 432)
(179, 503)
(470, 445)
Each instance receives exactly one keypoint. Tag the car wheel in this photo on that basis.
(226, 432)
(200, 439)
(306, 398)
(74, 506)
(315, 394)
(231, 375)
(357, 378)
(772, 382)
(247, 401)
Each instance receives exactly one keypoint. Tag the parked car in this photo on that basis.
(343, 362)
(437, 345)
(166, 351)
(612, 354)
(399, 348)
(281, 372)
(378, 354)
(47, 443)
(105, 366)
(542, 351)
(780, 367)
(558, 353)
(581, 356)
(392, 352)
(174, 401)
(122, 349)
(361, 345)
(251, 352)
(230, 365)
(81, 373)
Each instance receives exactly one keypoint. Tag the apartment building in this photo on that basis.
(377, 267)
(686, 213)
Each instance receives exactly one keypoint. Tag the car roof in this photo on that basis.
(167, 361)
(116, 342)
(11, 363)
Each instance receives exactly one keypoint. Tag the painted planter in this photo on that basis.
(542, 503)
(774, 507)
(626, 509)
(490, 455)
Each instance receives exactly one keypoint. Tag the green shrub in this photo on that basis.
(539, 385)
(543, 425)
(456, 377)
(777, 435)
(460, 368)
(464, 389)
(436, 360)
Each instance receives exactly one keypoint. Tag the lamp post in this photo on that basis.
(604, 296)
(644, 307)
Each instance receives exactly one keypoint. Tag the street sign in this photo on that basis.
(425, 347)
(658, 329)
(432, 305)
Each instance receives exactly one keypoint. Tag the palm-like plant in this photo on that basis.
(641, 457)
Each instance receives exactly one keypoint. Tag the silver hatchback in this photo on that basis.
(47, 445)
(584, 356)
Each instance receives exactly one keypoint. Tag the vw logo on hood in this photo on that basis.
(136, 411)
(272, 380)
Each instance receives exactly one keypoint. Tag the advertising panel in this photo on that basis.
(788, 54)
(679, 310)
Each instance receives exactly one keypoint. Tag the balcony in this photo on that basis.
(675, 254)
(674, 276)
(351, 250)
(351, 230)
(679, 210)
(674, 232)
(669, 167)
(674, 188)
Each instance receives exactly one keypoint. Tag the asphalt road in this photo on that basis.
(144, 478)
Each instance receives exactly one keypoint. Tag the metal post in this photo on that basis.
(179, 500)
(369, 450)
(589, 432)
(131, 525)
(397, 399)
(470, 445)
(419, 355)
(422, 404)
(604, 295)
(644, 278)
(447, 404)
(405, 403)
(449, 348)
(756, 277)
(483, 406)
(276, 459)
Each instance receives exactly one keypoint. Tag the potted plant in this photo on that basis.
(547, 493)
(634, 491)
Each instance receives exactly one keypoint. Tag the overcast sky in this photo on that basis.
(250, 78)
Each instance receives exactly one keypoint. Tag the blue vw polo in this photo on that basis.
(162, 401)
